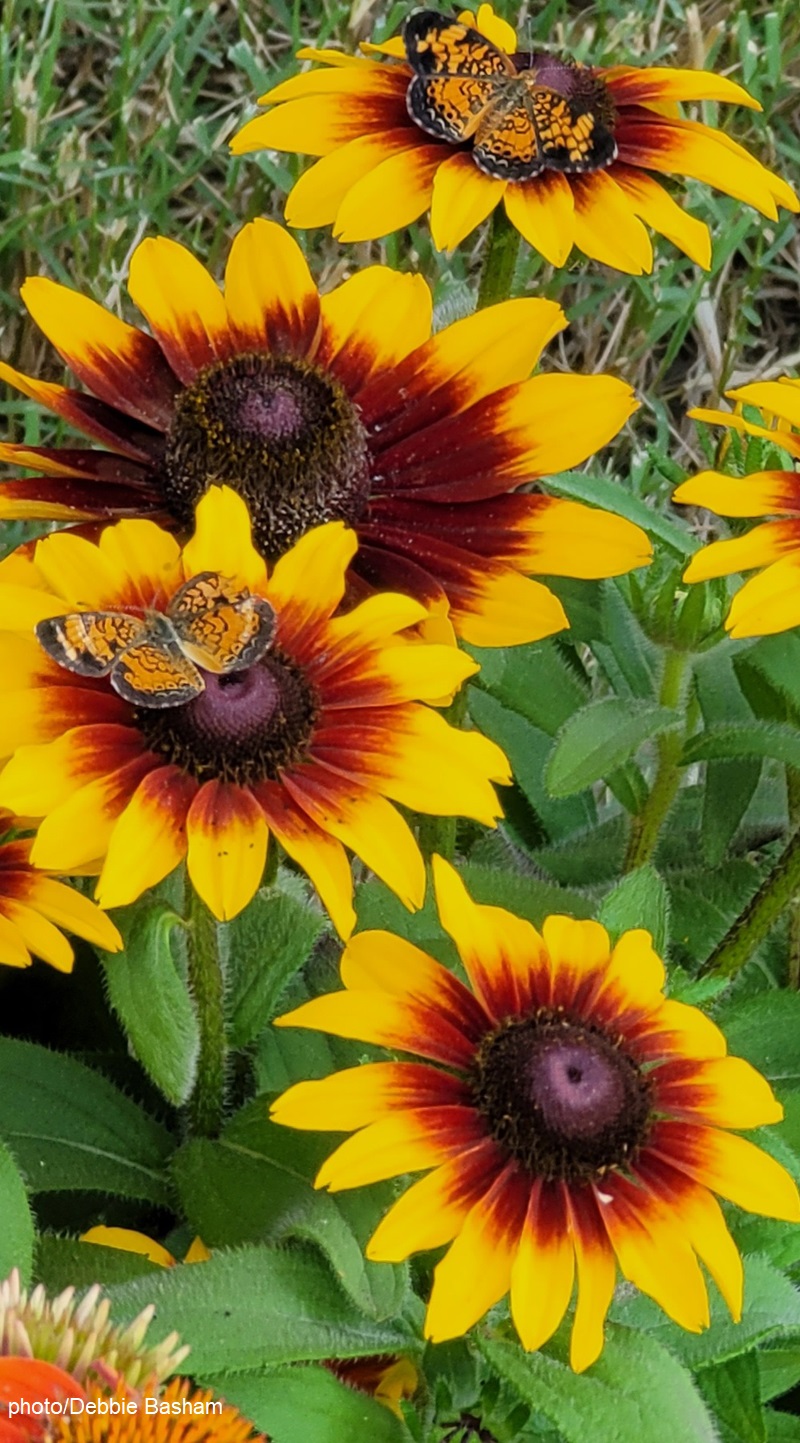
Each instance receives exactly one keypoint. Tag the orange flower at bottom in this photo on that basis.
(575, 1121)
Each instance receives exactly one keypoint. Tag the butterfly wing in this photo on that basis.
(89, 642)
(507, 144)
(155, 673)
(437, 45)
(573, 135)
(456, 74)
(221, 627)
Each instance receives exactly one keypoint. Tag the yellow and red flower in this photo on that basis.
(337, 407)
(34, 908)
(768, 602)
(379, 171)
(574, 1119)
(308, 744)
(389, 1378)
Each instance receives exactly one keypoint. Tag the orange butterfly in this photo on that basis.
(522, 114)
(153, 660)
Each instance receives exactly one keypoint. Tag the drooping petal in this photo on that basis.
(653, 1253)
(149, 839)
(723, 1092)
(72, 911)
(432, 1210)
(38, 934)
(89, 415)
(316, 197)
(544, 213)
(316, 124)
(781, 397)
(596, 1273)
(543, 1271)
(606, 225)
(654, 205)
(759, 547)
(462, 198)
(476, 1270)
(634, 85)
(79, 831)
(227, 846)
(320, 855)
(685, 147)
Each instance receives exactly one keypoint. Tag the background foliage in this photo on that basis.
(118, 113)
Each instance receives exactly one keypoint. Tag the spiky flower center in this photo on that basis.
(282, 433)
(562, 1097)
(243, 728)
(181, 1415)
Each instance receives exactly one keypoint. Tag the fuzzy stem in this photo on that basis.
(646, 828)
(499, 261)
(206, 1105)
(793, 968)
(775, 894)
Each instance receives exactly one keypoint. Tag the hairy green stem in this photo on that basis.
(775, 894)
(646, 828)
(499, 261)
(206, 1105)
(793, 967)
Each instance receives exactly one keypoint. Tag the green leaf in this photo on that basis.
(765, 1030)
(536, 682)
(527, 748)
(244, 1310)
(308, 1405)
(781, 1427)
(148, 990)
(70, 1129)
(641, 899)
(745, 739)
(526, 896)
(630, 660)
(600, 738)
(17, 1232)
(778, 659)
(729, 785)
(625, 1398)
(732, 1391)
(68, 1263)
(264, 947)
(779, 1370)
(256, 1185)
(771, 1314)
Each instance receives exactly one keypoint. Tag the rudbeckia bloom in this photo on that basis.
(456, 125)
(573, 1117)
(770, 601)
(308, 743)
(334, 408)
(34, 908)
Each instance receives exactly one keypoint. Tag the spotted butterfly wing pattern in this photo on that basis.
(523, 115)
(150, 659)
(221, 627)
(89, 642)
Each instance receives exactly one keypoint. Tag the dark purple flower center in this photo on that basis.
(244, 727)
(282, 433)
(564, 1098)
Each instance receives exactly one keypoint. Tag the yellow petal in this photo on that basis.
(128, 1241)
(543, 211)
(443, 771)
(596, 1273)
(13, 952)
(507, 609)
(227, 847)
(606, 227)
(555, 422)
(223, 540)
(762, 493)
(565, 538)
(476, 1270)
(145, 560)
(493, 27)
(373, 321)
(542, 1278)
(149, 839)
(389, 197)
(742, 1173)
(316, 197)
(652, 204)
(182, 303)
(778, 397)
(76, 913)
(432, 1210)
(271, 299)
(403, 1142)
(308, 581)
(495, 946)
(462, 198)
(38, 934)
(768, 602)
(77, 570)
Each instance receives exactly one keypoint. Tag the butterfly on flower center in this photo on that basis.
(157, 659)
(522, 114)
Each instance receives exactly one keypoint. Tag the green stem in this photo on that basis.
(499, 262)
(774, 895)
(646, 828)
(206, 1105)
